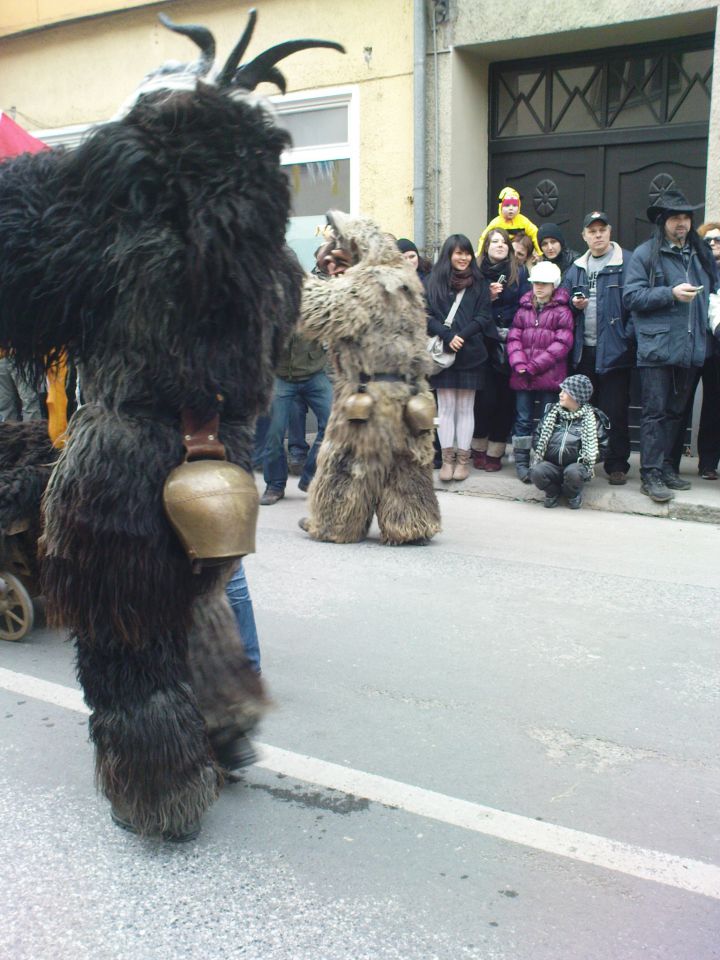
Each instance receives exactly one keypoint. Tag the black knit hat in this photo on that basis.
(550, 230)
(579, 387)
(403, 245)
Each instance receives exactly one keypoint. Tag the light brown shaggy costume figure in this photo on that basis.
(372, 319)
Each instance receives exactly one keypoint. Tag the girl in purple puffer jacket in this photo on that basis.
(538, 344)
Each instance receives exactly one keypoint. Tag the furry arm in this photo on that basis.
(43, 248)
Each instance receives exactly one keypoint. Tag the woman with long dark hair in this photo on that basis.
(495, 406)
(456, 283)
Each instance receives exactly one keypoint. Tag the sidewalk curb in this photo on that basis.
(598, 496)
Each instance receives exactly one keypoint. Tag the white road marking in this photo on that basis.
(680, 872)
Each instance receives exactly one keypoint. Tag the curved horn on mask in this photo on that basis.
(238, 50)
(199, 35)
(262, 68)
(273, 75)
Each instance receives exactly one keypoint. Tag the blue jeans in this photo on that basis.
(317, 393)
(525, 404)
(261, 428)
(298, 447)
(239, 597)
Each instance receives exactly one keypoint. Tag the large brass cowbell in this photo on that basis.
(211, 504)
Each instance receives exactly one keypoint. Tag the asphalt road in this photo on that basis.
(501, 746)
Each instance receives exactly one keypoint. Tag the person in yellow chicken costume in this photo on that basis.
(510, 219)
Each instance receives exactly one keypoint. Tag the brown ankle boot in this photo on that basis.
(446, 470)
(462, 467)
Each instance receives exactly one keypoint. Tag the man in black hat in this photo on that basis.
(667, 291)
(604, 348)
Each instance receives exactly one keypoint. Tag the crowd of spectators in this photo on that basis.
(520, 313)
(540, 311)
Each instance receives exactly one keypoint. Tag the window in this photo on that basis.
(607, 90)
(322, 163)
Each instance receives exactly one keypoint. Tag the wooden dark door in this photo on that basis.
(607, 129)
(636, 175)
(555, 185)
(562, 185)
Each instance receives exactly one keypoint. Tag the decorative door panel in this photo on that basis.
(554, 186)
(636, 176)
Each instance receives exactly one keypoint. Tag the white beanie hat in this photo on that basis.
(546, 272)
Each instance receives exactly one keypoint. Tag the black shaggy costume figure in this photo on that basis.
(26, 460)
(155, 254)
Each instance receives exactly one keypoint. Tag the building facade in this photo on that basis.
(435, 106)
(69, 64)
(579, 106)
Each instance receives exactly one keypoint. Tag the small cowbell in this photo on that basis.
(358, 405)
(420, 412)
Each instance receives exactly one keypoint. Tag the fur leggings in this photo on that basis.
(158, 653)
(373, 469)
(456, 417)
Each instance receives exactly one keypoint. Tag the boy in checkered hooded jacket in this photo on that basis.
(569, 440)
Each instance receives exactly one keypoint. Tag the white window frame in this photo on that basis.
(304, 102)
(66, 136)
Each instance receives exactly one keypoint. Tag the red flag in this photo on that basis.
(15, 140)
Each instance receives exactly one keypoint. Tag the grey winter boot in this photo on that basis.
(448, 464)
(521, 450)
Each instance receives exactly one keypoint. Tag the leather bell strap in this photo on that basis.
(200, 437)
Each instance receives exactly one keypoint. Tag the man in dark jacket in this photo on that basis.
(604, 348)
(667, 291)
(300, 373)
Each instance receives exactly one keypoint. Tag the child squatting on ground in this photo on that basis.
(569, 440)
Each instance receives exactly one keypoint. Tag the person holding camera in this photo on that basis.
(495, 405)
(667, 291)
(604, 349)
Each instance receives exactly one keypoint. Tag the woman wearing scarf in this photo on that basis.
(569, 440)
(456, 284)
(495, 406)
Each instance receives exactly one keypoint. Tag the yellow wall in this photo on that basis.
(81, 72)
(17, 15)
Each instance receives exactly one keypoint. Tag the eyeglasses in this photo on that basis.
(710, 241)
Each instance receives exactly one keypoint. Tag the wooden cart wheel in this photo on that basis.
(16, 609)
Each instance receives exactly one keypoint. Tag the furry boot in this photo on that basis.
(479, 447)
(462, 467)
(446, 471)
(521, 449)
(495, 453)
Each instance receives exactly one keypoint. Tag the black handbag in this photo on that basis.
(497, 352)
